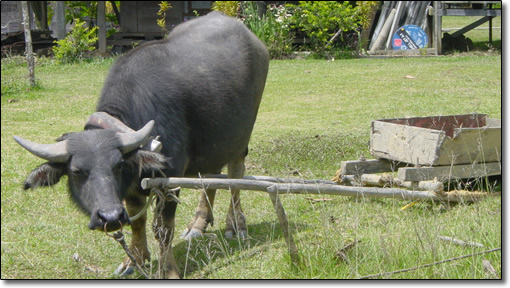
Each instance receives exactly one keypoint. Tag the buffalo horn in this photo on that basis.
(133, 140)
(56, 152)
(106, 121)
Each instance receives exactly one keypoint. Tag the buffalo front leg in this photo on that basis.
(138, 246)
(203, 215)
(236, 221)
(164, 225)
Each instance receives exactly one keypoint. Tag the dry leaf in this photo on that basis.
(408, 206)
(94, 268)
(489, 269)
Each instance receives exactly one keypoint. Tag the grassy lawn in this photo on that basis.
(314, 114)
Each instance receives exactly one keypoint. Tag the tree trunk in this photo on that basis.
(28, 43)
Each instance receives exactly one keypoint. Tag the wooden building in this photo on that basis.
(138, 19)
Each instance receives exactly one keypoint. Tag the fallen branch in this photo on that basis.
(427, 265)
(304, 188)
(460, 242)
(387, 180)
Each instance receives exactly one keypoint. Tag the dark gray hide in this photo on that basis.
(202, 86)
(99, 164)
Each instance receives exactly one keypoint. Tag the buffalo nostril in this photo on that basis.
(113, 218)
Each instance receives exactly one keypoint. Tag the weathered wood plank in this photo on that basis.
(369, 166)
(437, 140)
(405, 143)
(470, 145)
(443, 173)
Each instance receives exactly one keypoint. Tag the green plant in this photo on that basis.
(273, 28)
(87, 11)
(321, 20)
(163, 7)
(81, 10)
(72, 48)
(365, 9)
(230, 8)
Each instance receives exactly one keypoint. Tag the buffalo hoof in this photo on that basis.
(243, 234)
(124, 270)
(190, 234)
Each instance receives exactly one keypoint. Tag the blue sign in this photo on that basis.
(409, 37)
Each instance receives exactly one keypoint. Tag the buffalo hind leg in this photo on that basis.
(138, 246)
(236, 222)
(203, 215)
(164, 225)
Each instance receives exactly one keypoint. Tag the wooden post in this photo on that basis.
(28, 43)
(490, 30)
(284, 224)
(438, 14)
(60, 18)
(44, 15)
(101, 23)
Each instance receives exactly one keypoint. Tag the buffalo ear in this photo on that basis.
(147, 161)
(47, 174)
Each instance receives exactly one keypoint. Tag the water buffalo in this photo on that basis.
(199, 90)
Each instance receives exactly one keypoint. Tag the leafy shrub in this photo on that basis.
(230, 8)
(72, 48)
(321, 20)
(273, 28)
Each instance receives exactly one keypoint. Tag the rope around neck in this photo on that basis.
(168, 196)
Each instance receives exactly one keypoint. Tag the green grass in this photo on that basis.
(314, 114)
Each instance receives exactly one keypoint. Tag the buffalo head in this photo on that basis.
(101, 165)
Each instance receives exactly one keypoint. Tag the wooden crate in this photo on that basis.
(437, 140)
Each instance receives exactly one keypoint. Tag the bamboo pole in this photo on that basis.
(275, 179)
(300, 188)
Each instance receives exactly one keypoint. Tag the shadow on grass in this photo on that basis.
(204, 255)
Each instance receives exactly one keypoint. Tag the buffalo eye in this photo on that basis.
(77, 171)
